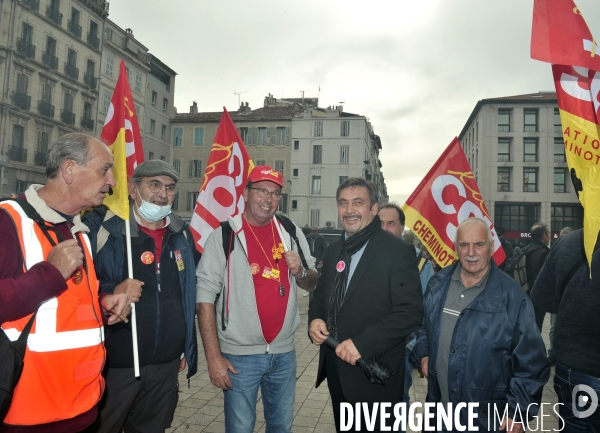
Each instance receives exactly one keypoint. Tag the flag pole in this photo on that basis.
(136, 357)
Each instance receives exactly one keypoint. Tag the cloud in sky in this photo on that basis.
(415, 69)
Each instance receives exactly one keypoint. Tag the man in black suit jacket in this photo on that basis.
(369, 298)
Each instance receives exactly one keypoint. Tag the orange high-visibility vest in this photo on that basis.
(65, 350)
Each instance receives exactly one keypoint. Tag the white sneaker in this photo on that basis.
(305, 294)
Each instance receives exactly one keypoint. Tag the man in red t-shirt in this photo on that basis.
(256, 309)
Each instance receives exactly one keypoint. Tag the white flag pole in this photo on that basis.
(136, 357)
(285, 247)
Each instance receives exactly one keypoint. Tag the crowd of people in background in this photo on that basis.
(379, 307)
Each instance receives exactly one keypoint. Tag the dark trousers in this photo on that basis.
(337, 396)
(138, 405)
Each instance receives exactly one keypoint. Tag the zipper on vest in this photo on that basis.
(268, 345)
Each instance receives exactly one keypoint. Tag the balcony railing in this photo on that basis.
(46, 109)
(560, 158)
(503, 157)
(68, 117)
(50, 60)
(530, 158)
(54, 15)
(21, 100)
(18, 154)
(560, 188)
(503, 128)
(558, 128)
(71, 71)
(93, 40)
(26, 48)
(87, 123)
(40, 159)
(90, 81)
(530, 128)
(33, 4)
(74, 28)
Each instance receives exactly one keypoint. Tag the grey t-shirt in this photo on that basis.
(457, 299)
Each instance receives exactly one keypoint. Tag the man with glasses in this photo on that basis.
(164, 288)
(249, 337)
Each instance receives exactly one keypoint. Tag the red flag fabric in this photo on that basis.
(225, 178)
(560, 35)
(445, 197)
(121, 133)
(122, 114)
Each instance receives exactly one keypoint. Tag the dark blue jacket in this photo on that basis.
(107, 232)
(497, 354)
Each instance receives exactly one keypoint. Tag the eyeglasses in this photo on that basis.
(264, 193)
(156, 186)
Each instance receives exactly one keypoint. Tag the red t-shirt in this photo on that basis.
(157, 235)
(269, 302)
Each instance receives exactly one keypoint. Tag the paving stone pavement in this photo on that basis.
(200, 407)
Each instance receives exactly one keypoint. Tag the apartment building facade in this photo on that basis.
(50, 55)
(315, 148)
(515, 147)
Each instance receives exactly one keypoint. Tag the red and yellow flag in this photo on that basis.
(121, 133)
(226, 176)
(561, 36)
(445, 197)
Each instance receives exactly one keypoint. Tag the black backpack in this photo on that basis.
(12, 353)
(515, 267)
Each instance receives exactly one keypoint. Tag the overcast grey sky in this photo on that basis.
(415, 69)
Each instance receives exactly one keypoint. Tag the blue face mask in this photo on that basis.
(152, 212)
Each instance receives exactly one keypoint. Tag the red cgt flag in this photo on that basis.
(121, 133)
(226, 175)
(445, 197)
(561, 36)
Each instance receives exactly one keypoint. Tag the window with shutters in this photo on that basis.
(47, 93)
(318, 128)
(279, 163)
(106, 102)
(316, 185)
(345, 154)
(281, 135)
(68, 102)
(195, 168)
(261, 162)
(315, 216)
(138, 83)
(283, 203)
(22, 84)
(109, 66)
(192, 198)
(345, 132)
(177, 136)
(177, 166)
(317, 154)
(244, 134)
(21, 186)
(198, 136)
(262, 136)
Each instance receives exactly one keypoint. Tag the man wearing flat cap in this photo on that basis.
(246, 274)
(164, 263)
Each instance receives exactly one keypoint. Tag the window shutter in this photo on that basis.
(254, 135)
(191, 172)
(287, 136)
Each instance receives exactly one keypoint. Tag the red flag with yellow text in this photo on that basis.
(121, 133)
(225, 178)
(561, 36)
(445, 197)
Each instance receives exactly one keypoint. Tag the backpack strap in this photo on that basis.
(290, 227)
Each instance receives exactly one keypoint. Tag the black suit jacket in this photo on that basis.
(382, 306)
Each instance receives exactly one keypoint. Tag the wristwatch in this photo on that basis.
(302, 275)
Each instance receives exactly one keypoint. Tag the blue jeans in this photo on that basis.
(407, 376)
(565, 380)
(276, 376)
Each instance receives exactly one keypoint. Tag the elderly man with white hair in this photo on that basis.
(479, 342)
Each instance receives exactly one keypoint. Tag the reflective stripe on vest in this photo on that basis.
(65, 352)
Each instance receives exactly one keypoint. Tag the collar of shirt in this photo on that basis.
(480, 284)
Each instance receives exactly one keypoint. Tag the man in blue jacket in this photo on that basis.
(479, 342)
(164, 289)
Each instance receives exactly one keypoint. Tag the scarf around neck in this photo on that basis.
(349, 247)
